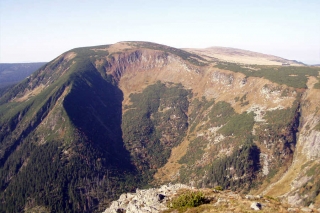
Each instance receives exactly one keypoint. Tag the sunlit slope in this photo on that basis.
(234, 55)
(98, 121)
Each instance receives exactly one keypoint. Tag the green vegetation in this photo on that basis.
(238, 170)
(272, 198)
(195, 151)
(187, 199)
(239, 125)
(278, 134)
(70, 149)
(243, 100)
(272, 173)
(219, 188)
(311, 189)
(292, 76)
(154, 123)
(220, 114)
(281, 125)
(60, 184)
(82, 171)
(236, 129)
(317, 85)
(197, 113)
(312, 171)
(281, 118)
(87, 52)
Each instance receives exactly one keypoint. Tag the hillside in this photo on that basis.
(99, 121)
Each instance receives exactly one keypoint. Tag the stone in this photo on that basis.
(306, 209)
(249, 197)
(256, 206)
(259, 196)
(293, 210)
(221, 200)
(145, 201)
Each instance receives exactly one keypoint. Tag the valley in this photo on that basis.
(100, 121)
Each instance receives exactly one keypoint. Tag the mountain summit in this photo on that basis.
(99, 121)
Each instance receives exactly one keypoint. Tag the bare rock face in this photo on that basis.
(312, 145)
(145, 201)
(225, 79)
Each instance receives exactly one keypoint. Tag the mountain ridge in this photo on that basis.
(236, 55)
(109, 117)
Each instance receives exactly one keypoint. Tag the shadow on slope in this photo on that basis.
(94, 106)
(82, 175)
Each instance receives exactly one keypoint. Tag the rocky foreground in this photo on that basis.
(156, 200)
(150, 200)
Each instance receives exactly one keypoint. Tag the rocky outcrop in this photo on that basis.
(145, 201)
(156, 200)
(223, 78)
(312, 145)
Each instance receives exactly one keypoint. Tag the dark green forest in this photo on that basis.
(160, 110)
(78, 175)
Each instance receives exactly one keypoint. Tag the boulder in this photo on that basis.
(293, 209)
(256, 206)
(145, 201)
(249, 197)
(306, 209)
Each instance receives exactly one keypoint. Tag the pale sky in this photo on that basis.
(33, 30)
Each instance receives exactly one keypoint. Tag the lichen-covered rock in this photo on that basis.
(145, 201)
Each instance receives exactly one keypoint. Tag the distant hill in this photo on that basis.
(234, 55)
(15, 72)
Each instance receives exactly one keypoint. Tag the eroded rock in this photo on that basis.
(145, 201)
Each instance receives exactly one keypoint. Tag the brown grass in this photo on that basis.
(117, 47)
(169, 170)
(177, 71)
(29, 94)
(241, 56)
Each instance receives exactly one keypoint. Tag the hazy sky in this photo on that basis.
(33, 30)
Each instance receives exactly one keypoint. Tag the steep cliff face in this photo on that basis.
(300, 184)
(98, 121)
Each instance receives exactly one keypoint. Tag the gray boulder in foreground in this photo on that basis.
(256, 206)
(145, 201)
